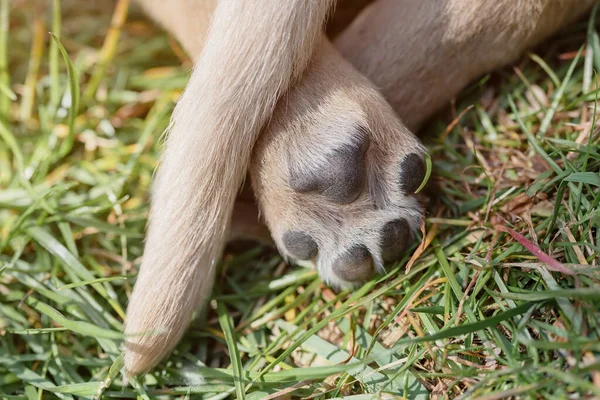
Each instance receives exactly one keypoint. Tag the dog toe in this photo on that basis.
(355, 265)
(300, 245)
(412, 173)
(395, 238)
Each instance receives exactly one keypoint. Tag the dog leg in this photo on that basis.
(253, 52)
(335, 171)
(188, 22)
(420, 54)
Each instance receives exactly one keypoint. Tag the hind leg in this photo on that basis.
(232, 93)
(420, 54)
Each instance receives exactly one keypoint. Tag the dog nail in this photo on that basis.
(355, 265)
(300, 245)
(412, 173)
(395, 237)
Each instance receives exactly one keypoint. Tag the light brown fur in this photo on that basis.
(445, 45)
(214, 128)
(418, 53)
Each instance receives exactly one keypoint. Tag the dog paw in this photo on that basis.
(335, 174)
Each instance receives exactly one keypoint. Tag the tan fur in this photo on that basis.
(422, 53)
(253, 51)
(418, 53)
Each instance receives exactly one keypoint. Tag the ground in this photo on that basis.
(502, 297)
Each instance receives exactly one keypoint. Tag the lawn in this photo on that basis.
(500, 300)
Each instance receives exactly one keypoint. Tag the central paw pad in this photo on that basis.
(340, 179)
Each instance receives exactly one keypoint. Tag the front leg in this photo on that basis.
(253, 52)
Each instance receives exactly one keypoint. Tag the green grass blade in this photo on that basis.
(74, 92)
(5, 97)
(236, 362)
(53, 59)
(80, 327)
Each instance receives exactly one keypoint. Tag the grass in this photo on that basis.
(502, 300)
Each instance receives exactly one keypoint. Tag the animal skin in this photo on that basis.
(318, 128)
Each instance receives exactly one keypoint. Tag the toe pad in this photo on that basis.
(395, 237)
(412, 173)
(355, 265)
(300, 245)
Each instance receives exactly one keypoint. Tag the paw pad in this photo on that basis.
(412, 173)
(341, 179)
(395, 237)
(355, 265)
(300, 245)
